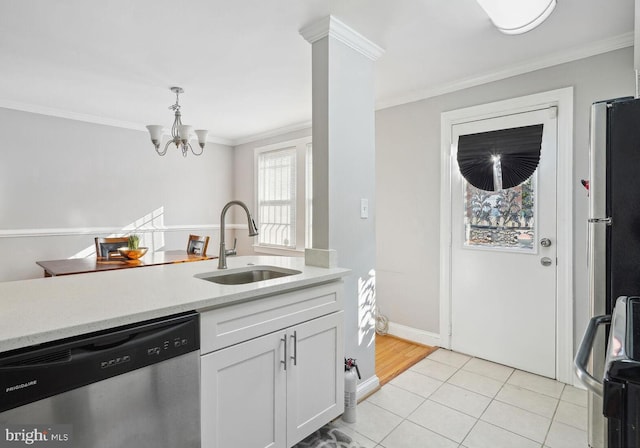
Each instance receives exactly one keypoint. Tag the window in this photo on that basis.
(503, 220)
(277, 198)
(308, 196)
(283, 196)
(499, 168)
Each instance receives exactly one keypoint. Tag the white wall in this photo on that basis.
(344, 174)
(408, 182)
(76, 178)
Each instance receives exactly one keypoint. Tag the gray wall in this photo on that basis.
(70, 180)
(408, 182)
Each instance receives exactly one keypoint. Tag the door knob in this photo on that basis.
(546, 261)
(545, 242)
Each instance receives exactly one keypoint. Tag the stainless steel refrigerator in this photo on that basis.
(614, 237)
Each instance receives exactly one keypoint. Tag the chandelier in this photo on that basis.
(180, 133)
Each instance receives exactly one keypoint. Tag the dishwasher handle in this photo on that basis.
(582, 357)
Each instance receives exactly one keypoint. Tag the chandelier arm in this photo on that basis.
(164, 151)
(196, 153)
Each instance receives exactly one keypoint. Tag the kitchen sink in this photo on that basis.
(249, 274)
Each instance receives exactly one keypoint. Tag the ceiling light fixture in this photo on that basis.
(517, 17)
(180, 133)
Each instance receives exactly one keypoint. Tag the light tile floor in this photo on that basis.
(450, 400)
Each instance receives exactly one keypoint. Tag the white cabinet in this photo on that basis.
(242, 389)
(273, 390)
(315, 376)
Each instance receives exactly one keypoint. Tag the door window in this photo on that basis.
(503, 219)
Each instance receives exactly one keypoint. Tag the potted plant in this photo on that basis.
(133, 242)
(133, 251)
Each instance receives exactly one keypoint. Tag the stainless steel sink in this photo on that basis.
(249, 274)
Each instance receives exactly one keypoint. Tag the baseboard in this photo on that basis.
(367, 387)
(414, 334)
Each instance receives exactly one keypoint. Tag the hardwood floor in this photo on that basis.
(395, 355)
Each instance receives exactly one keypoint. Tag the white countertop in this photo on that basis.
(41, 310)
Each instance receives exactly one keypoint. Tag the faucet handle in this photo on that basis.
(233, 251)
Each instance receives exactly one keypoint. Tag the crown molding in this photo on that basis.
(87, 118)
(273, 133)
(61, 113)
(594, 49)
(330, 26)
(315, 32)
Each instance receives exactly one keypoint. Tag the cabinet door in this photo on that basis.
(243, 390)
(315, 375)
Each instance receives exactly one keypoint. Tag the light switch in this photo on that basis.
(364, 208)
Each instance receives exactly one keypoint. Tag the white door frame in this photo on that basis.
(562, 99)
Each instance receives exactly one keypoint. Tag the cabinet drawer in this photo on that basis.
(232, 324)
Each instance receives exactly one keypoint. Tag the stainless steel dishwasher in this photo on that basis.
(131, 386)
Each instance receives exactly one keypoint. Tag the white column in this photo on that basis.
(344, 172)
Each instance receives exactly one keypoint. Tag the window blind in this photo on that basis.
(277, 197)
(510, 155)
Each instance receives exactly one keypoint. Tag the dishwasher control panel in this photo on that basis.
(177, 342)
(170, 345)
(152, 345)
(115, 361)
(49, 369)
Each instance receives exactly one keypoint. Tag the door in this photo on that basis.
(244, 395)
(503, 257)
(315, 375)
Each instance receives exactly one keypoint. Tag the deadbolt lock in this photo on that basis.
(546, 261)
(545, 242)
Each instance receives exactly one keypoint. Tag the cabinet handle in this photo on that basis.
(284, 339)
(295, 348)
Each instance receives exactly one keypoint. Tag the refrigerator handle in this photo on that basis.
(582, 357)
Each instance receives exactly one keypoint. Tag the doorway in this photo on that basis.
(486, 308)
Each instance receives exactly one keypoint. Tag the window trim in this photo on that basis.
(302, 150)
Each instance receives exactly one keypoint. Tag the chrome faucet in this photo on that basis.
(253, 231)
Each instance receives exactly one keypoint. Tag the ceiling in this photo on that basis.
(245, 68)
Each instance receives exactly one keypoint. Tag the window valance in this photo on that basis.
(500, 159)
